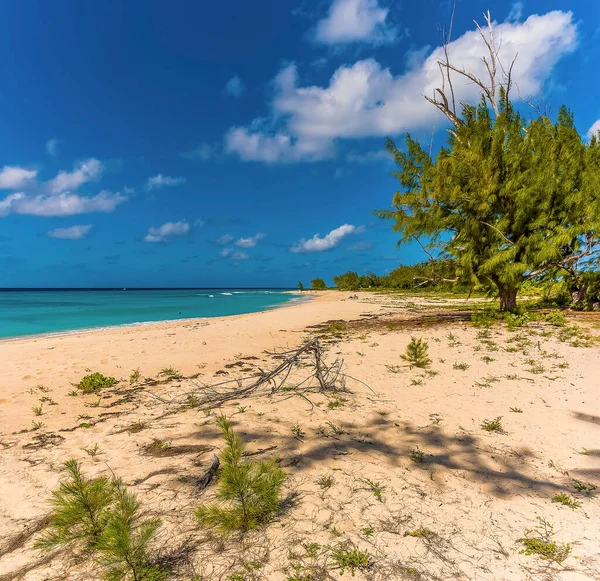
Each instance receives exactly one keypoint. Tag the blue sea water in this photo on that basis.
(31, 312)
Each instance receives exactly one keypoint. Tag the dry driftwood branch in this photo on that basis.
(203, 481)
(322, 377)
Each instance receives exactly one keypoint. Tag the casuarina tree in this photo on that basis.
(509, 197)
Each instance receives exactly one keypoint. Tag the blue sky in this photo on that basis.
(185, 143)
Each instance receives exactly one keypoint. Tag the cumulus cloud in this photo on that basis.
(234, 87)
(249, 242)
(85, 171)
(166, 231)
(329, 241)
(365, 99)
(71, 233)
(52, 146)
(594, 129)
(160, 181)
(13, 177)
(355, 21)
(63, 204)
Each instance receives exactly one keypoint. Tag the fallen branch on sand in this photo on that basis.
(321, 378)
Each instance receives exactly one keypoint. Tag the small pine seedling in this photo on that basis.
(297, 431)
(251, 489)
(80, 510)
(123, 546)
(135, 376)
(417, 352)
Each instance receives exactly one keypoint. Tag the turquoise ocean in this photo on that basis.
(32, 312)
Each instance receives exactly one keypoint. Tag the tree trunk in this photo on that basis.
(508, 299)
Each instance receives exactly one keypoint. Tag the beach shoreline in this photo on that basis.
(84, 330)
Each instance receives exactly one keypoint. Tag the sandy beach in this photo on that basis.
(454, 500)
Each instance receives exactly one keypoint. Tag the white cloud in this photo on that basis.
(63, 204)
(160, 181)
(52, 146)
(593, 130)
(329, 241)
(71, 233)
(86, 171)
(234, 87)
(365, 99)
(203, 152)
(355, 21)
(233, 254)
(166, 231)
(516, 11)
(225, 239)
(250, 242)
(13, 177)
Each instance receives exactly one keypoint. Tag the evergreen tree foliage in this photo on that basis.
(349, 281)
(509, 199)
(417, 353)
(101, 517)
(300, 286)
(249, 489)
(122, 547)
(318, 284)
(80, 510)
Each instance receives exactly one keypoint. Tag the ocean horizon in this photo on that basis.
(40, 311)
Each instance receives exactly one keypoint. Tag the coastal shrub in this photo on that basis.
(95, 381)
(539, 542)
(250, 490)
(417, 352)
(100, 517)
(318, 284)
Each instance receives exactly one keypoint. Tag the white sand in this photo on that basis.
(476, 491)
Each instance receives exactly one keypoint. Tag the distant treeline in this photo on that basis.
(579, 289)
(429, 274)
